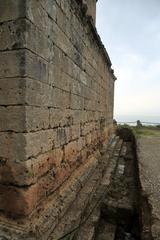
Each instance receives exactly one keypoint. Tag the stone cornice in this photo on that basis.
(89, 21)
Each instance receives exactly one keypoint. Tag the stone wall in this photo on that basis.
(91, 9)
(56, 102)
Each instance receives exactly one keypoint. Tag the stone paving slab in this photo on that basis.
(148, 150)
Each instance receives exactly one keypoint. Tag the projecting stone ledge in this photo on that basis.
(148, 150)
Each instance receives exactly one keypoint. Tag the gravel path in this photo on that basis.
(148, 148)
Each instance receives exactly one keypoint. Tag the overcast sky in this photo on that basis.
(130, 31)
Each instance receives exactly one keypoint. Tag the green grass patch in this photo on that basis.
(146, 131)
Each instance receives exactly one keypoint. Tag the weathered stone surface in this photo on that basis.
(71, 150)
(12, 118)
(12, 147)
(59, 118)
(38, 142)
(36, 118)
(38, 93)
(62, 136)
(12, 34)
(77, 102)
(36, 67)
(12, 91)
(24, 200)
(56, 86)
(23, 119)
(12, 63)
(61, 98)
(16, 147)
(91, 11)
(75, 132)
(10, 10)
(28, 172)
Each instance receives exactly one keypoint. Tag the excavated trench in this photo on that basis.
(123, 207)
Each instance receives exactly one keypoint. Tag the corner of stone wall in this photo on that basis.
(56, 105)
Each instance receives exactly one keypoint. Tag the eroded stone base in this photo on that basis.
(70, 205)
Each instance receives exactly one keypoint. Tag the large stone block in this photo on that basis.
(75, 71)
(51, 8)
(17, 202)
(23, 118)
(12, 63)
(12, 118)
(38, 93)
(63, 16)
(61, 99)
(75, 131)
(76, 87)
(19, 34)
(51, 181)
(36, 118)
(62, 136)
(43, 163)
(78, 116)
(37, 14)
(12, 147)
(63, 81)
(17, 147)
(12, 91)
(87, 128)
(77, 102)
(60, 38)
(38, 142)
(45, 20)
(13, 34)
(59, 118)
(11, 9)
(40, 44)
(28, 172)
(23, 63)
(36, 67)
(17, 173)
(71, 151)
(26, 199)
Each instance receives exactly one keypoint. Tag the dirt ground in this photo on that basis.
(148, 149)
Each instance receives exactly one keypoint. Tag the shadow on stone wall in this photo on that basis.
(13, 203)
